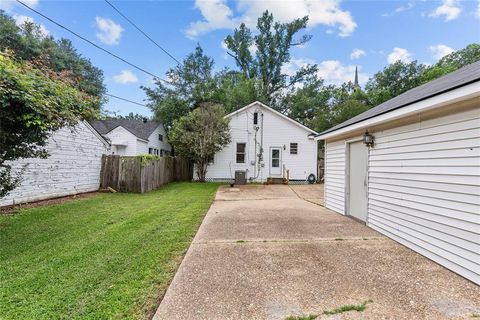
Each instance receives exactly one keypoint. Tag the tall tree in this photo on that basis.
(304, 102)
(30, 43)
(235, 91)
(452, 62)
(189, 84)
(198, 135)
(393, 80)
(272, 47)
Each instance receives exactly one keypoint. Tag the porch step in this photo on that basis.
(276, 181)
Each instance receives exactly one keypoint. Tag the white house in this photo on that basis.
(73, 166)
(419, 182)
(265, 143)
(134, 137)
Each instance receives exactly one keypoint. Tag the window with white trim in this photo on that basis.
(240, 152)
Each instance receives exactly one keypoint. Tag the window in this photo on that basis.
(293, 148)
(240, 153)
(255, 118)
(160, 137)
(275, 158)
(211, 159)
(153, 151)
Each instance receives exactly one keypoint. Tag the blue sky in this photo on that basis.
(367, 34)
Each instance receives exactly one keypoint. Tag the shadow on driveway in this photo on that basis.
(268, 252)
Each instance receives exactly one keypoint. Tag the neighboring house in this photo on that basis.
(265, 143)
(419, 183)
(73, 166)
(134, 137)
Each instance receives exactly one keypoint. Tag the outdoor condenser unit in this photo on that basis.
(240, 177)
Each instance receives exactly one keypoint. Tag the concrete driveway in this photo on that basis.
(269, 252)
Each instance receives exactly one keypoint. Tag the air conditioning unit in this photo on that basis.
(240, 177)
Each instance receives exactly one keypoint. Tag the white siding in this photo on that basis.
(424, 189)
(154, 141)
(72, 167)
(277, 132)
(335, 176)
(124, 143)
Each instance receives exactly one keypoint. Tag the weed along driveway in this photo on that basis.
(263, 252)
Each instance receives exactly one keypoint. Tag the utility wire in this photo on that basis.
(142, 32)
(90, 42)
(124, 99)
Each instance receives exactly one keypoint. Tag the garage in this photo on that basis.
(410, 169)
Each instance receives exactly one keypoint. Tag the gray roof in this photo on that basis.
(138, 128)
(456, 79)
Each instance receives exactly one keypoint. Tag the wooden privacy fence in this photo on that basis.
(134, 174)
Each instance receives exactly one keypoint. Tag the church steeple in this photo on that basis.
(356, 78)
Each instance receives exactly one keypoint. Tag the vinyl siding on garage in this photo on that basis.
(424, 189)
(335, 176)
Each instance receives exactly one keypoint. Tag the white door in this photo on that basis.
(358, 161)
(275, 161)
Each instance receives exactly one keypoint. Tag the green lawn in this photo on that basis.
(107, 256)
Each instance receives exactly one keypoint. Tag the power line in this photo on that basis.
(141, 31)
(90, 42)
(124, 99)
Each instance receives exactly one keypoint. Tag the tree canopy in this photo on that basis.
(260, 57)
(29, 43)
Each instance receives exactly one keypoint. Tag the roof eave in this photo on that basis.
(275, 112)
(466, 92)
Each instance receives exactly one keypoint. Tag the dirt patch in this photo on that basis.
(12, 209)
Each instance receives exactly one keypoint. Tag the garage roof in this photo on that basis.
(456, 79)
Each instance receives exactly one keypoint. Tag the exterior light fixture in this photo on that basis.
(368, 139)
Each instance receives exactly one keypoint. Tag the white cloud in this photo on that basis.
(294, 65)
(399, 54)
(108, 31)
(217, 15)
(450, 9)
(7, 5)
(332, 71)
(125, 77)
(357, 54)
(440, 50)
(21, 19)
(477, 12)
(408, 6)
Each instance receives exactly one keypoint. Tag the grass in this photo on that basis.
(106, 256)
(348, 307)
(307, 317)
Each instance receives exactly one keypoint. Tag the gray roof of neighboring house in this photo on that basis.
(458, 78)
(138, 128)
